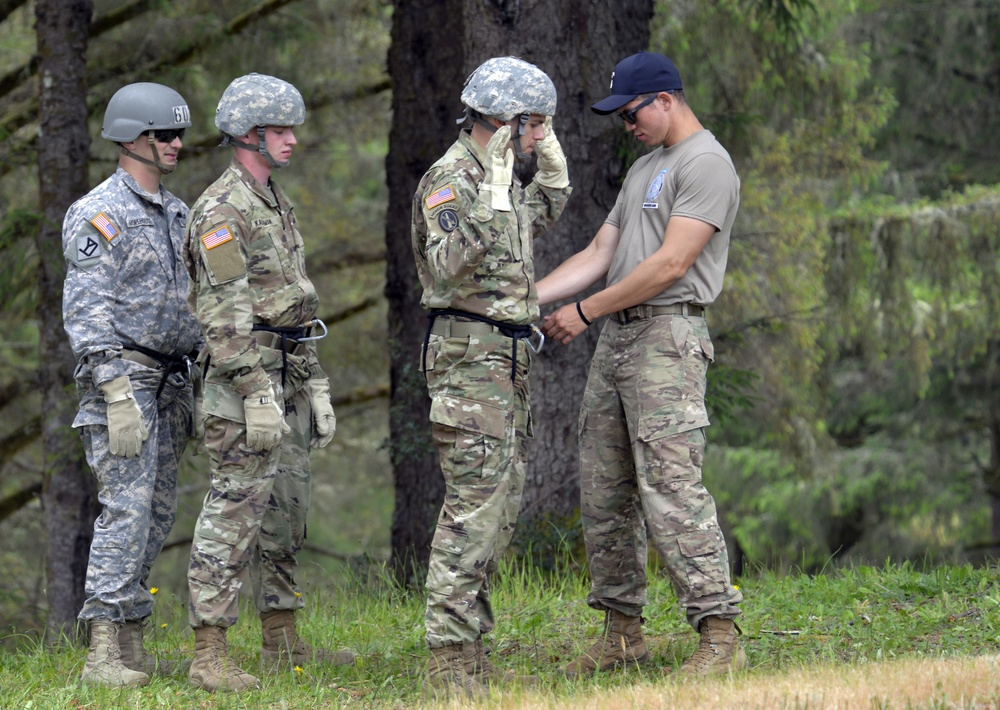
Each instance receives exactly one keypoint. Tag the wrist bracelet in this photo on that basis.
(582, 317)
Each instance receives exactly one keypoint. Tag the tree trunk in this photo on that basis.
(435, 46)
(69, 496)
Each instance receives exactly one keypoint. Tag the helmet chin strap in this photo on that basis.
(260, 148)
(155, 162)
(516, 132)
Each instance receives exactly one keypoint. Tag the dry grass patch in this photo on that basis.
(968, 683)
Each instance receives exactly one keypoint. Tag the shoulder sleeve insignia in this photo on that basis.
(222, 255)
(216, 237)
(448, 220)
(445, 194)
(105, 226)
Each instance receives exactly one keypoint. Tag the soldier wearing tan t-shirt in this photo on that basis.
(663, 249)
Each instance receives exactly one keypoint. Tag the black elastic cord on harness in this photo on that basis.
(514, 332)
(170, 363)
(293, 333)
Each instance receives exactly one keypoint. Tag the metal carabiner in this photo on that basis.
(310, 324)
(541, 340)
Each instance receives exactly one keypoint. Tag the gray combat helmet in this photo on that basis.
(142, 107)
(257, 101)
(505, 87)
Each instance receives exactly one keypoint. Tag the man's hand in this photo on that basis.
(564, 324)
(552, 170)
(265, 420)
(324, 419)
(126, 429)
(499, 170)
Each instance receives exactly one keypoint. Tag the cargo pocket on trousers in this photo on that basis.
(217, 544)
(449, 548)
(704, 563)
(469, 415)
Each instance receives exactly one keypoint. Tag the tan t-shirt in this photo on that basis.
(694, 178)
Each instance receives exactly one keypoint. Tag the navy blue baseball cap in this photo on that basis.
(642, 73)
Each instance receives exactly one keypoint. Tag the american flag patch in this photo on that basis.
(217, 237)
(105, 226)
(445, 194)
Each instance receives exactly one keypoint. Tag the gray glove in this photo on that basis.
(552, 170)
(265, 420)
(499, 170)
(126, 429)
(324, 419)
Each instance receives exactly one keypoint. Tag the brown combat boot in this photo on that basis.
(283, 648)
(482, 669)
(212, 670)
(719, 652)
(447, 677)
(104, 661)
(621, 645)
(134, 654)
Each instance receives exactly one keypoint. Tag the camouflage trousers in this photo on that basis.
(139, 501)
(481, 423)
(642, 441)
(253, 520)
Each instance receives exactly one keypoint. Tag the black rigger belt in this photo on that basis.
(160, 361)
(475, 324)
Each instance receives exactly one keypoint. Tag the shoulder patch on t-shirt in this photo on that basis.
(654, 190)
(445, 194)
(104, 225)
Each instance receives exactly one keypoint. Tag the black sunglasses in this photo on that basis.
(629, 116)
(167, 135)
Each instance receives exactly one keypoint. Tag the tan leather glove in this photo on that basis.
(126, 429)
(552, 171)
(499, 169)
(265, 420)
(324, 419)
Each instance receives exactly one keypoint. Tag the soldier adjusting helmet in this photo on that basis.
(505, 87)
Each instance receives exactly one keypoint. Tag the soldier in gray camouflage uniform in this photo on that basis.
(267, 400)
(663, 249)
(473, 226)
(126, 315)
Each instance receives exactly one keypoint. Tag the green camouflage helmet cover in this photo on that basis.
(258, 100)
(141, 107)
(504, 87)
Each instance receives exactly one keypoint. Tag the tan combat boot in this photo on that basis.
(212, 670)
(621, 645)
(134, 655)
(283, 648)
(447, 677)
(719, 652)
(482, 669)
(104, 661)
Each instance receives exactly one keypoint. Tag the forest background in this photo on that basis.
(854, 396)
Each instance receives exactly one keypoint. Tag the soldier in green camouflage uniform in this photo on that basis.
(473, 226)
(266, 399)
(664, 249)
(126, 315)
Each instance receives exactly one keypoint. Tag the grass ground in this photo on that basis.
(890, 637)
